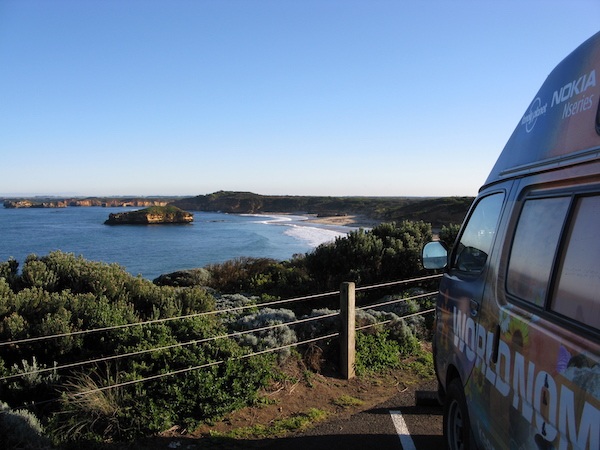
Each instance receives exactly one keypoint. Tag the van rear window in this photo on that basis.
(556, 239)
(534, 248)
(577, 292)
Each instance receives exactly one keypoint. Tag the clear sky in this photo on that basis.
(305, 97)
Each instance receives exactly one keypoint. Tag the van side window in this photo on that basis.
(476, 241)
(577, 293)
(534, 248)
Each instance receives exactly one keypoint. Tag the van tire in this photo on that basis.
(457, 426)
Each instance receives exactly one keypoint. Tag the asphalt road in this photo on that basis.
(375, 428)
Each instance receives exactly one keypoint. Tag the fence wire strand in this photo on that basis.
(203, 366)
(208, 313)
(385, 322)
(214, 338)
(167, 347)
(166, 319)
(262, 352)
(397, 300)
(396, 283)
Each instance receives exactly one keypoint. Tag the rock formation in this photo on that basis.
(91, 201)
(151, 216)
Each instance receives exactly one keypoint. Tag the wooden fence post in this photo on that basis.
(348, 331)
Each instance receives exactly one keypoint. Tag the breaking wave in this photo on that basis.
(298, 227)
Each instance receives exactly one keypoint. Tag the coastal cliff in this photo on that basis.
(91, 201)
(436, 210)
(29, 204)
(151, 216)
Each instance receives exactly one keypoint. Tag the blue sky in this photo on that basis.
(385, 98)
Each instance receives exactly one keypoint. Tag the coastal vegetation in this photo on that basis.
(63, 294)
(45, 387)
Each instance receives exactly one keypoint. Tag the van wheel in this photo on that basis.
(457, 426)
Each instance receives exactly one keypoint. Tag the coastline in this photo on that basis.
(350, 220)
(212, 238)
(342, 220)
(345, 220)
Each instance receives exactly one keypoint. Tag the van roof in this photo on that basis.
(561, 126)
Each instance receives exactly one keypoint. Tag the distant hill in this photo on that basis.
(437, 211)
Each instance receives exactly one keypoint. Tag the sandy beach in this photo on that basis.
(349, 220)
(342, 220)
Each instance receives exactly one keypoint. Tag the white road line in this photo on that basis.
(402, 430)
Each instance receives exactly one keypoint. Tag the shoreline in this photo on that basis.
(355, 221)
(347, 220)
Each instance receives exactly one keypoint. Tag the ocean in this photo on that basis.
(152, 250)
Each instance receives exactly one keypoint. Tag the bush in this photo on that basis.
(237, 275)
(35, 383)
(184, 278)
(390, 251)
(61, 293)
(270, 338)
(448, 234)
(21, 429)
(375, 352)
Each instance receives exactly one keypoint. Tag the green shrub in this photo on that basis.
(271, 338)
(448, 234)
(60, 293)
(390, 251)
(21, 429)
(375, 352)
(184, 278)
(9, 271)
(408, 343)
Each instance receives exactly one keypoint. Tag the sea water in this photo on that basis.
(152, 250)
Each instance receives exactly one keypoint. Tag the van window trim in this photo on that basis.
(545, 311)
(452, 269)
(561, 319)
(526, 196)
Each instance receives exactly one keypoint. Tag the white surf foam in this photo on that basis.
(314, 236)
(298, 228)
(271, 219)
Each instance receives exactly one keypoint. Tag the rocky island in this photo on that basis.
(150, 216)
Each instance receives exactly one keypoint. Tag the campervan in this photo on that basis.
(517, 327)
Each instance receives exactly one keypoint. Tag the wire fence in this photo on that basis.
(232, 335)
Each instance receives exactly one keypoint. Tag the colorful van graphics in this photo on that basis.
(517, 337)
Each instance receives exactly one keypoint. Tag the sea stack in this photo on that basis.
(154, 215)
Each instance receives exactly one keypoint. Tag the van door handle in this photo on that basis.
(474, 308)
(495, 345)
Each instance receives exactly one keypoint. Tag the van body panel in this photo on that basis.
(518, 309)
(459, 306)
(558, 126)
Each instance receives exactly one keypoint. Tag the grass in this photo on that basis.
(421, 364)
(347, 401)
(277, 428)
(168, 209)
